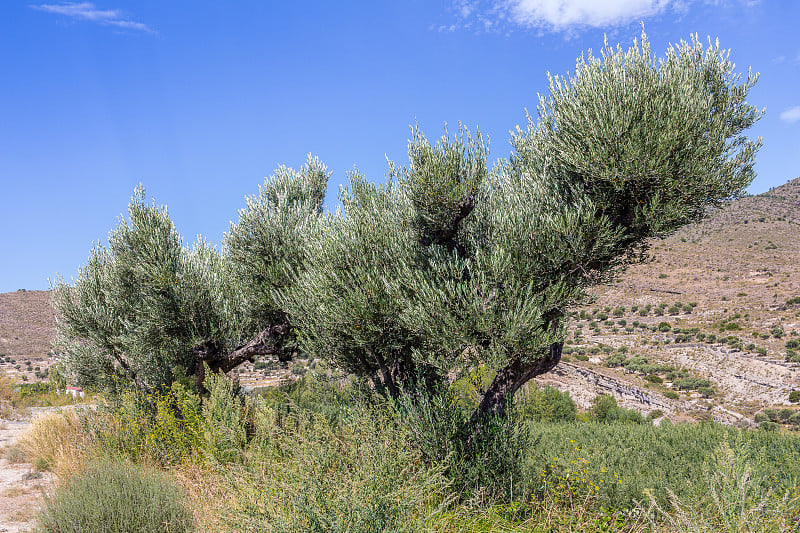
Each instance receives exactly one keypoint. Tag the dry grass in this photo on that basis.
(206, 493)
(55, 441)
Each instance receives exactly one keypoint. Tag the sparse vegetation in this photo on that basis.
(370, 451)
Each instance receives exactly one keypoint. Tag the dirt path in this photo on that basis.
(20, 487)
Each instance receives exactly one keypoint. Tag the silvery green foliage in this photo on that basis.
(266, 247)
(347, 302)
(141, 302)
(653, 141)
(451, 265)
(146, 305)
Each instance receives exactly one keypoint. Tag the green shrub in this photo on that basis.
(692, 383)
(547, 405)
(605, 409)
(664, 326)
(777, 331)
(672, 395)
(614, 360)
(116, 497)
(772, 414)
(652, 378)
(792, 356)
(794, 396)
(224, 419)
(761, 350)
(706, 392)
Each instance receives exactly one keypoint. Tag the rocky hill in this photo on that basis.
(27, 328)
(717, 308)
(708, 328)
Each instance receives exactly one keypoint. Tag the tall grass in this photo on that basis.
(305, 474)
(56, 441)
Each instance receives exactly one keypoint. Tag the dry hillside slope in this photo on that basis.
(27, 329)
(722, 287)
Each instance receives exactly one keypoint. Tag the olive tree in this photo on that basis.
(451, 265)
(146, 308)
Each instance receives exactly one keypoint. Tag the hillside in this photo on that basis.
(27, 328)
(720, 286)
(729, 276)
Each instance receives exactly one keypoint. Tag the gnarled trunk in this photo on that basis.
(510, 378)
(268, 342)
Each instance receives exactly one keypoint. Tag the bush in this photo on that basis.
(672, 395)
(691, 383)
(605, 409)
(794, 396)
(777, 332)
(706, 392)
(652, 378)
(547, 405)
(117, 497)
(664, 327)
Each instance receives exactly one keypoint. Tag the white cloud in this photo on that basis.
(569, 15)
(88, 11)
(562, 14)
(791, 115)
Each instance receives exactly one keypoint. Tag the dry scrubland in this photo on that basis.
(317, 454)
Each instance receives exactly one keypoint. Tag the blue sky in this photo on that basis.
(201, 100)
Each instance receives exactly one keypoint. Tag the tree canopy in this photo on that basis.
(448, 266)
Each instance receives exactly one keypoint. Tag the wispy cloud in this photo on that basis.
(562, 14)
(568, 15)
(791, 115)
(88, 11)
